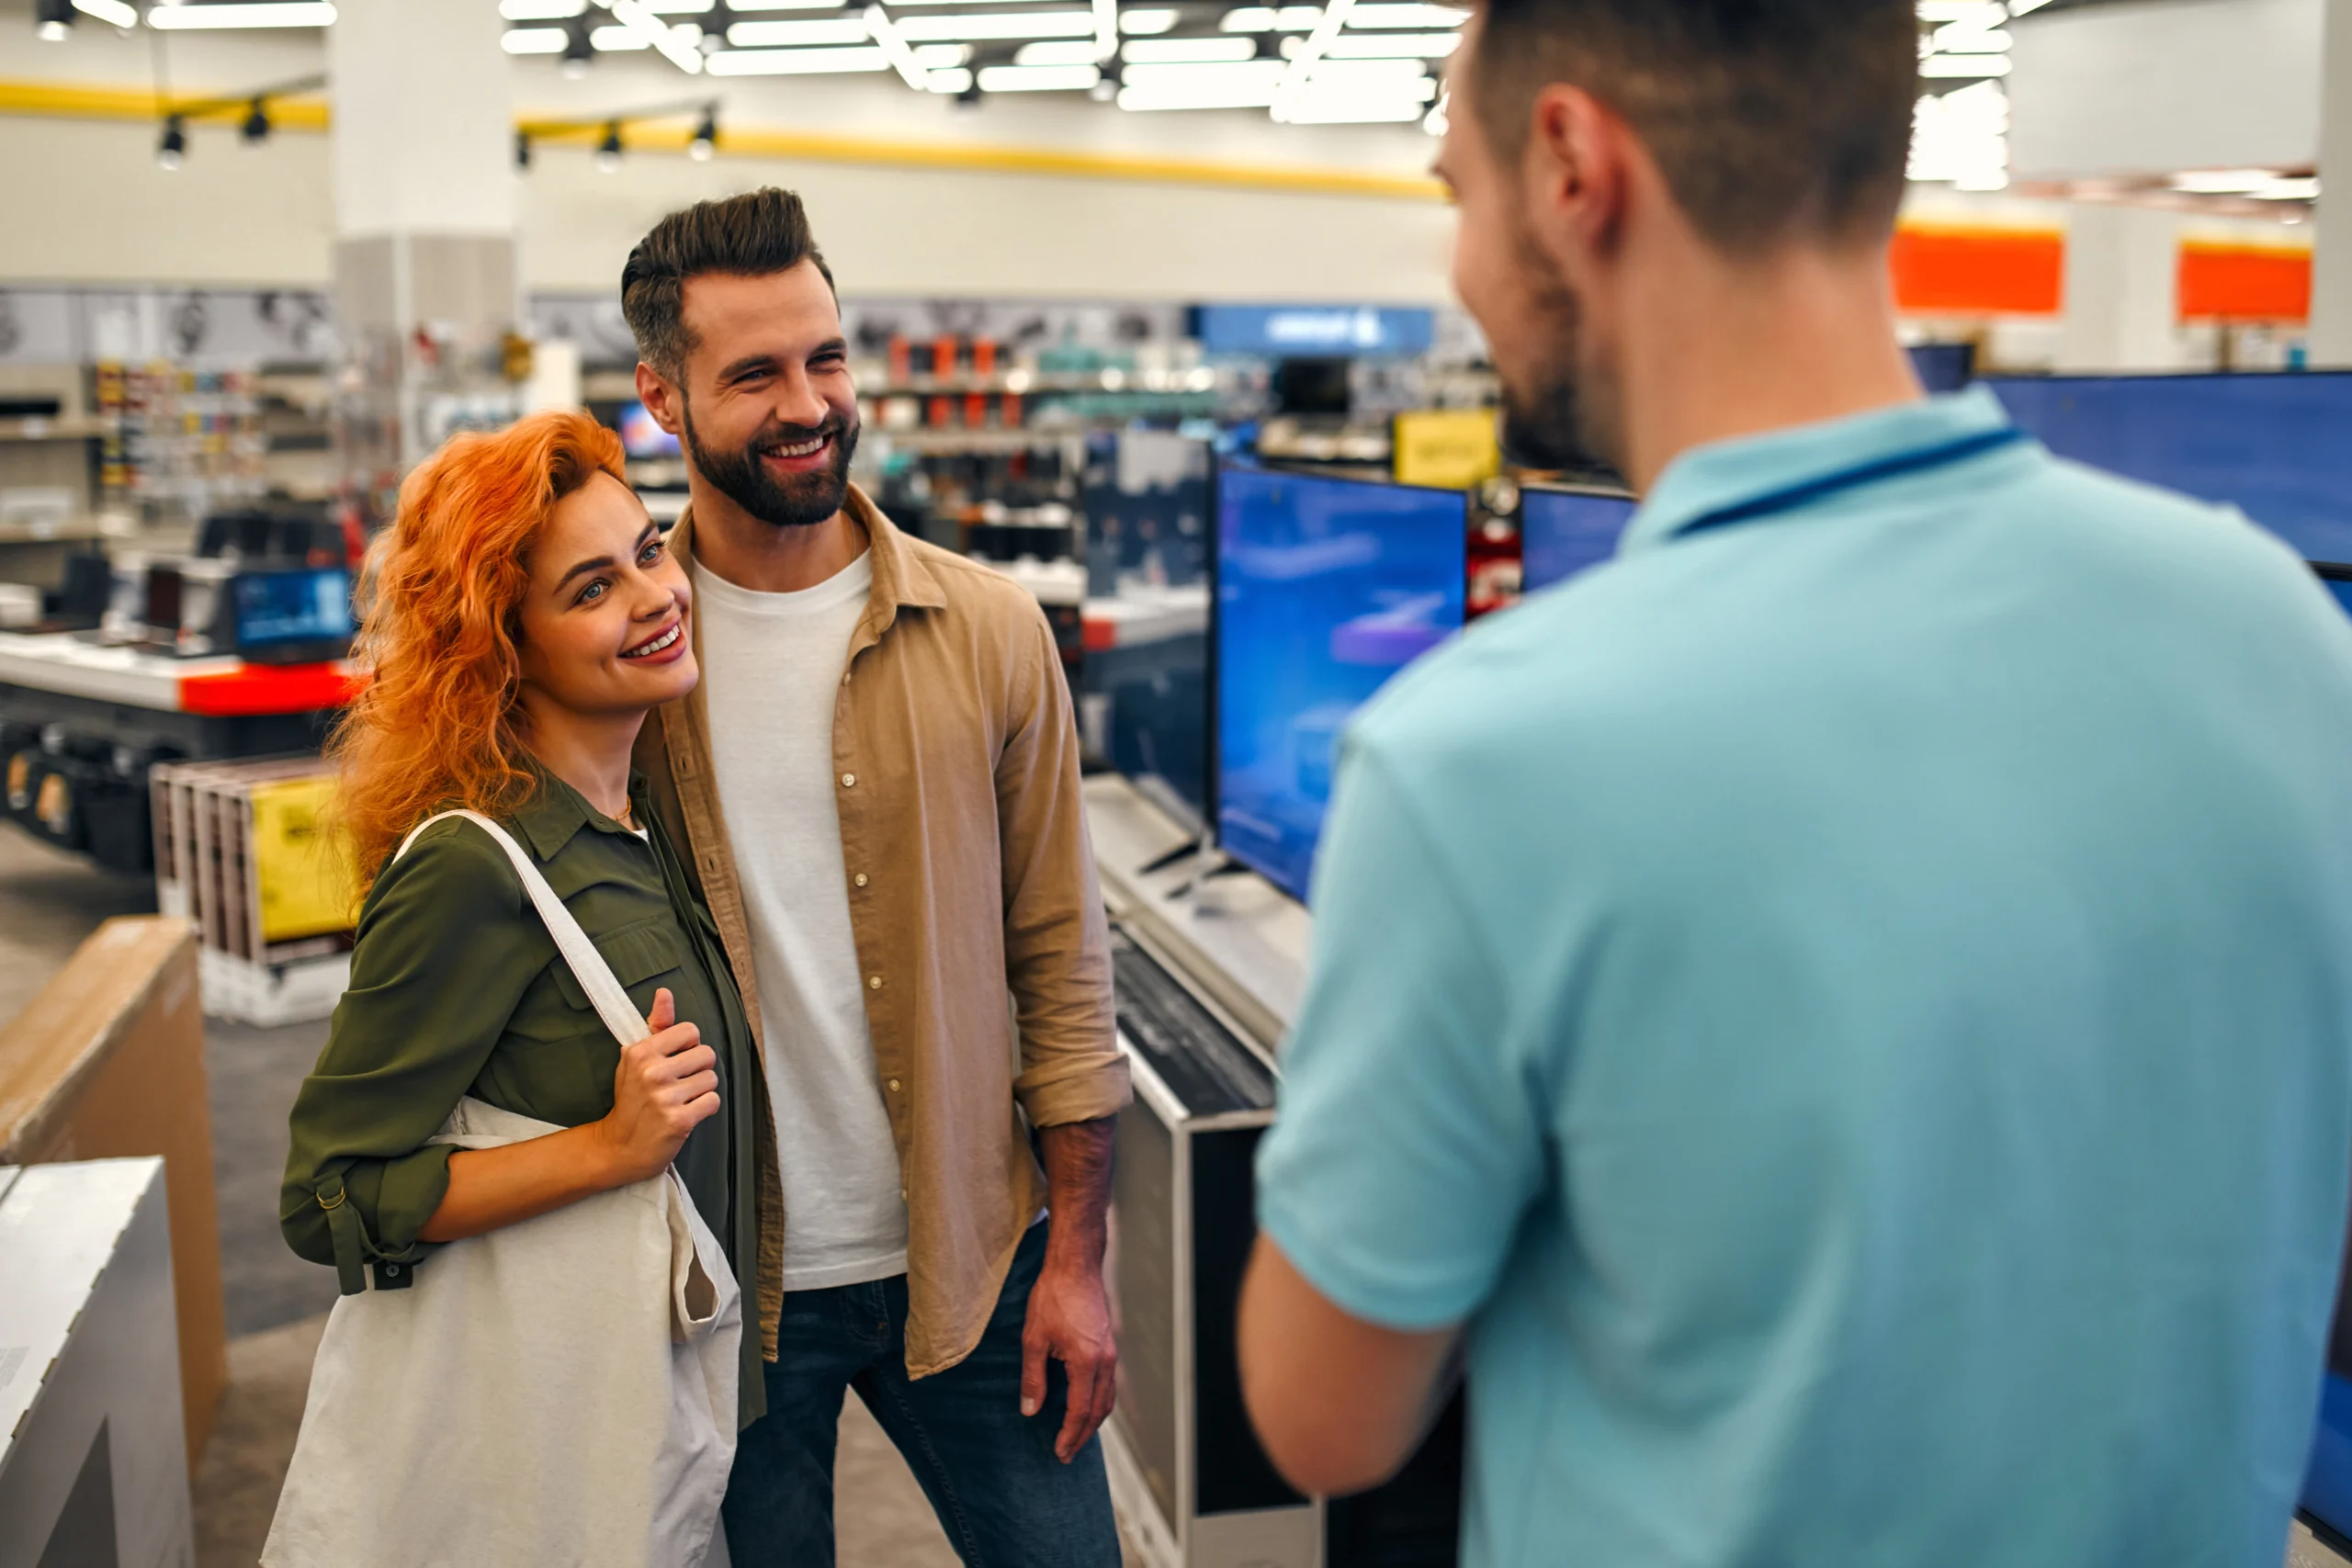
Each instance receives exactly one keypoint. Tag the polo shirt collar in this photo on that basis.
(1707, 481)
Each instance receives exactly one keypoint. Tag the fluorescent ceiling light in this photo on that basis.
(677, 7)
(2222, 182)
(2020, 7)
(535, 41)
(1955, 67)
(1269, 19)
(1352, 108)
(782, 4)
(113, 13)
(1149, 21)
(540, 10)
(949, 82)
(788, 35)
(1190, 50)
(943, 56)
(895, 49)
(963, 26)
(615, 39)
(1983, 13)
(1053, 51)
(1302, 64)
(262, 13)
(1961, 38)
(2285, 189)
(1393, 46)
(1245, 86)
(1038, 78)
(796, 62)
(680, 45)
(1385, 15)
(1107, 34)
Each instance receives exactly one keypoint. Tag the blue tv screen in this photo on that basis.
(1564, 531)
(2274, 445)
(274, 608)
(1326, 588)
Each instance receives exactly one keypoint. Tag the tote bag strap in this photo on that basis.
(588, 966)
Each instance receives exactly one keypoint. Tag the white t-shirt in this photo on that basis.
(771, 666)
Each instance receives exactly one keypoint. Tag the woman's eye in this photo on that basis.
(651, 554)
(591, 593)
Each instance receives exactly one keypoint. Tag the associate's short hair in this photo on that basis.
(1770, 119)
(757, 235)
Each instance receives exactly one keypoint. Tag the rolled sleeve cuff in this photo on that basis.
(1081, 1085)
(407, 1192)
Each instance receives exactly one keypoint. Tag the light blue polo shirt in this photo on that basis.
(1852, 1002)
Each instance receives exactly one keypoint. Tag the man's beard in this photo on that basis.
(1566, 416)
(799, 500)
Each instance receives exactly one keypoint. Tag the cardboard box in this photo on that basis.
(108, 1062)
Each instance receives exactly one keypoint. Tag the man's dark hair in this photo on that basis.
(757, 235)
(1770, 119)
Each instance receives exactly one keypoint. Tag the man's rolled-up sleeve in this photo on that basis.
(1057, 939)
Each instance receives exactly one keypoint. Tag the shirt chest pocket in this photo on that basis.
(644, 957)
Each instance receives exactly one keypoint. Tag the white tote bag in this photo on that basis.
(560, 1392)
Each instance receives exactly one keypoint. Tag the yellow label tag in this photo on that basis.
(302, 875)
(1448, 448)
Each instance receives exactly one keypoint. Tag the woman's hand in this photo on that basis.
(666, 1085)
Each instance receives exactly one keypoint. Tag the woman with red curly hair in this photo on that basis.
(526, 617)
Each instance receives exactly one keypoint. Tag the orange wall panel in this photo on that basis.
(2245, 283)
(1979, 272)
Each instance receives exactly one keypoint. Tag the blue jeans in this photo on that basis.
(1002, 1498)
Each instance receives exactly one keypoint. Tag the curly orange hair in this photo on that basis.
(438, 726)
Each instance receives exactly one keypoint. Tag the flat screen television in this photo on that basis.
(2275, 446)
(642, 437)
(286, 617)
(1563, 532)
(1325, 589)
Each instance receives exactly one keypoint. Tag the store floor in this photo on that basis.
(275, 1302)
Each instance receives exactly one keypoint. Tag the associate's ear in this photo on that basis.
(1576, 161)
(661, 399)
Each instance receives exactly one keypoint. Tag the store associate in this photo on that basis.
(1843, 1012)
(878, 779)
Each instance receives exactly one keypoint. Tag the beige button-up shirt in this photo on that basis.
(971, 881)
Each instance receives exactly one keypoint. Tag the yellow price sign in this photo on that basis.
(1448, 448)
(302, 874)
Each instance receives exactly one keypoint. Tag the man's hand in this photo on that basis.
(1069, 1310)
(1070, 1320)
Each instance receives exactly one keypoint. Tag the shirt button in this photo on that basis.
(861, 879)
(894, 1086)
(848, 781)
(874, 982)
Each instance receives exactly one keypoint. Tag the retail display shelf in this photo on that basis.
(68, 427)
(1146, 616)
(212, 688)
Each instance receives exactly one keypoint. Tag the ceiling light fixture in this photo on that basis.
(1436, 123)
(677, 45)
(1393, 45)
(1106, 31)
(1150, 22)
(705, 146)
(257, 14)
(540, 10)
(1244, 86)
(1405, 17)
(1039, 78)
(797, 61)
(608, 151)
(799, 35)
(53, 20)
(1961, 67)
(579, 51)
(966, 26)
(1056, 52)
(943, 56)
(1106, 82)
(2021, 8)
(173, 148)
(113, 13)
(1271, 19)
(1311, 54)
(1190, 50)
(895, 50)
(534, 41)
(615, 38)
(949, 82)
(739, 6)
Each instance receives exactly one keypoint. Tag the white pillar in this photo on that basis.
(2122, 288)
(424, 225)
(2332, 269)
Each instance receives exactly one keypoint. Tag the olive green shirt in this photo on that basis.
(456, 989)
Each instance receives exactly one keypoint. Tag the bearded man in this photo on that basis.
(878, 778)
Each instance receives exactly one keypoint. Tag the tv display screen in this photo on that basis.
(275, 608)
(1325, 589)
(1564, 531)
(642, 437)
(2274, 445)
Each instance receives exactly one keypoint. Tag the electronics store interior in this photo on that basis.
(1161, 341)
